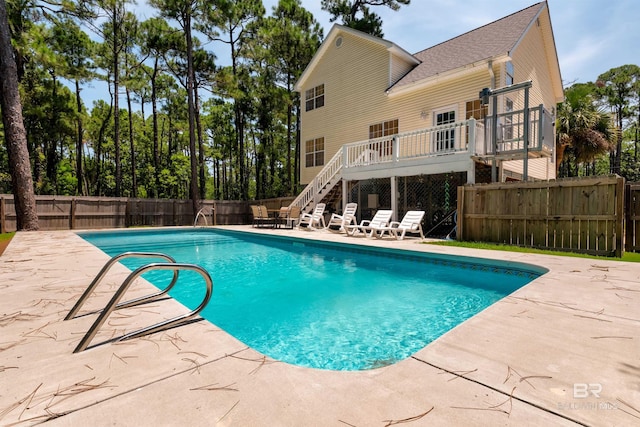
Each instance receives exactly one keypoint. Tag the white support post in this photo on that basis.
(345, 156)
(394, 198)
(471, 173)
(345, 196)
(396, 148)
(471, 149)
(316, 191)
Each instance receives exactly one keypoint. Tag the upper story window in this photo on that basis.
(314, 149)
(387, 128)
(385, 147)
(476, 110)
(314, 97)
(509, 73)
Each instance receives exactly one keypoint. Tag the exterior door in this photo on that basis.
(445, 138)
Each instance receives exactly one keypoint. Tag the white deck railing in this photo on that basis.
(469, 137)
(435, 141)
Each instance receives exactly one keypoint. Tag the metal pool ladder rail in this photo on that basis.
(114, 304)
(201, 213)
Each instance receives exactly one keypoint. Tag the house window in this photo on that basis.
(509, 73)
(315, 152)
(379, 130)
(476, 110)
(507, 129)
(383, 129)
(445, 138)
(314, 97)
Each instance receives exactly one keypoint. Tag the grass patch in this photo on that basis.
(6, 236)
(627, 256)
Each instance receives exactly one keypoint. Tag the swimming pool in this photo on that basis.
(319, 304)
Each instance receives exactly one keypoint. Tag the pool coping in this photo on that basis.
(563, 349)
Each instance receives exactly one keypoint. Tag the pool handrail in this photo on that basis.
(113, 303)
(212, 212)
(83, 298)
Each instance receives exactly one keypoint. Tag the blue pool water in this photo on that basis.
(322, 305)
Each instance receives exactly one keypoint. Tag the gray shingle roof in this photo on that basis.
(491, 40)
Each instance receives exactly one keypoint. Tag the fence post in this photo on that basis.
(173, 212)
(3, 225)
(127, 212)
(72, 215)
(629, 218)
(460, 222)
(620, 217)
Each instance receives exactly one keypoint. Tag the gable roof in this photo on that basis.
(494, 40)
(336, 30)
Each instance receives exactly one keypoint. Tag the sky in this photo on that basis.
(591, 36)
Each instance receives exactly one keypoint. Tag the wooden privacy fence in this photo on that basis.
(575, 214)
(66, 212)
(632, 223)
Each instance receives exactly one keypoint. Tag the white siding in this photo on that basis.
(530, 63)
(399, 68)
(541, 168)
(355, 78)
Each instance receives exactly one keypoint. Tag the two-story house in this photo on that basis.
(390, 129)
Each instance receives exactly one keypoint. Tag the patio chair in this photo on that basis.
(314, 219)
(289, 215)
(261, 216)
(338, 222)
(255, 211)
(377, 225)
(411, 223)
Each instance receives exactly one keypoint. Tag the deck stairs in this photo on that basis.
(324, 187)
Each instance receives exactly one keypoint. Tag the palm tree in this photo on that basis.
(582, 129)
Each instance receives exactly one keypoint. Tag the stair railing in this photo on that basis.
(313, 189)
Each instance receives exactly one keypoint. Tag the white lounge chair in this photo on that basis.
(411, 223)
(378, 224)
(338, 222)
(314, 219)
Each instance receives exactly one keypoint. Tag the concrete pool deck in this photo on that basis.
(563, 350)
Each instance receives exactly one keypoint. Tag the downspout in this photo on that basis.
(492, 75)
